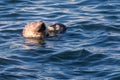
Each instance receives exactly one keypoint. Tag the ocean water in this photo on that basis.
(89, 50)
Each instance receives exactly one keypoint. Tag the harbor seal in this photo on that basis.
(39, 30)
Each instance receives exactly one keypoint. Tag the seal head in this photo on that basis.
(34, 30)
(56, 28)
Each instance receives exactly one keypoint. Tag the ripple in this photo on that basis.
(9, 61)
(95, 57)
(68, 57)
(115, 78)
(14, 76)
(89, 50)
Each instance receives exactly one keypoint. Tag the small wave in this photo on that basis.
(69, 56)
(10, 76)
(4, 61)
(115, 77)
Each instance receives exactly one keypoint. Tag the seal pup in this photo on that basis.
(36, 32)
(55, 29)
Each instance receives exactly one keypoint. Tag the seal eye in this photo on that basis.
(43, 28)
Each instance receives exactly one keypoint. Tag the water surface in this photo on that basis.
(89, 50)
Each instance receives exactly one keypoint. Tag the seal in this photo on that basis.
(39, 30)
(56, 28)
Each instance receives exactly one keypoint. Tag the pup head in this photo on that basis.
(56, 28)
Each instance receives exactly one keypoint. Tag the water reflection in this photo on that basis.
(35, 41)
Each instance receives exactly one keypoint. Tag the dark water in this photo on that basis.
(89, 50)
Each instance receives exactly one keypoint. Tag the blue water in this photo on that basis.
(89, 50)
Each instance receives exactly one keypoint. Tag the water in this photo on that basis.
(89, 50)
